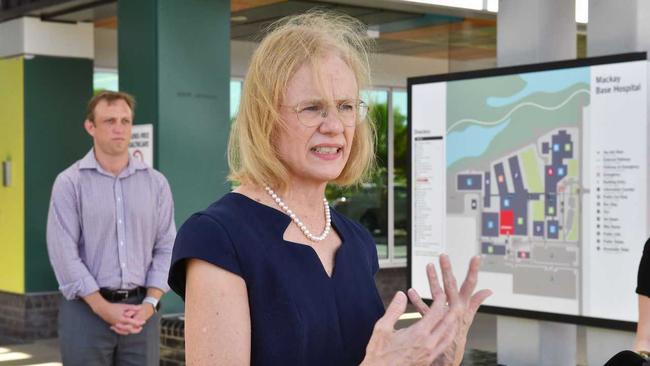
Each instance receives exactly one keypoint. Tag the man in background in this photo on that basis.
(110, 233)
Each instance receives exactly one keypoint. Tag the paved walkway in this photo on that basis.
(46, 352)
(39, 353)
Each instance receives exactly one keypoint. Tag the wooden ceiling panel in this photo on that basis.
(110, 23)
(453, 38)
(465, 39)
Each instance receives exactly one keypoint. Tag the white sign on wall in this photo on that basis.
(141, 146)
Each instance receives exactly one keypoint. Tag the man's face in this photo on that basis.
(111, 130)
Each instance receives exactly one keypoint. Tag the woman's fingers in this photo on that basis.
(437, 294)
(448, 280)
(469, 285)
(433, 316)
(477, 299)
(474, 300)
(417, 301)
(394, 310)
(440, 330)
(463, 301)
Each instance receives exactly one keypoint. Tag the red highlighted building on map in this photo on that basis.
(506, 222)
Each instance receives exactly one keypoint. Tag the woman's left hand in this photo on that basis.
(465, 298)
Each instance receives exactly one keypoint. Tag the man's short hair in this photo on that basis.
(110, 97)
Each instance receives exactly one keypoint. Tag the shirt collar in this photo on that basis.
(90, 162)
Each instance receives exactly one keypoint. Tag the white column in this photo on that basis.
(533, 31)
(530, 31)
(618, 27)
(536, 343)
(558, 343)
(512, 348)
(602, 344)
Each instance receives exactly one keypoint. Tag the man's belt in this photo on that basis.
(121, 295)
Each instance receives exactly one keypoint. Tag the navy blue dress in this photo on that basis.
(299, 315)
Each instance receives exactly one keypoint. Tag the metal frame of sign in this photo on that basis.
(498, 310)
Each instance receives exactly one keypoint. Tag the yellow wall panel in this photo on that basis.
(12, 202)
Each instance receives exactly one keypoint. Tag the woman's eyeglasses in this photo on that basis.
(313, 113)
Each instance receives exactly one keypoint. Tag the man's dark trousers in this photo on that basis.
(87, 340)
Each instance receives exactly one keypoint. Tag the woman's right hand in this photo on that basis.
(420, 343)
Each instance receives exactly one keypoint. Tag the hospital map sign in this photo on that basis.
(141, 146)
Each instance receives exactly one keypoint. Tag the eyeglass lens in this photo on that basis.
(349, 112)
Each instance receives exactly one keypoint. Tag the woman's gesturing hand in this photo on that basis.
(418, 344)
(466, 300)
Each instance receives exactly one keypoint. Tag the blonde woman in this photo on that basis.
(270, 274)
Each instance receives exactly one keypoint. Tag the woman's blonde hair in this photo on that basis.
(290, 43)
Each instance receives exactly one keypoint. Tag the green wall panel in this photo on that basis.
(137, 54)
(187, 44)
(56, 92)
(194, 92)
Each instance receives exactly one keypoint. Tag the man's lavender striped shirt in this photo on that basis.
(107, 231)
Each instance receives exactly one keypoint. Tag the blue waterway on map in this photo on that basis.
(545, 81)
(472, 141)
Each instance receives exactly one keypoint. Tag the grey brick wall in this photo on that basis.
(27, 317)
(172, 341)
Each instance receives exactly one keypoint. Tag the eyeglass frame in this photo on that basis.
(357, 102)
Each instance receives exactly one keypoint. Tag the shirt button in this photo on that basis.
(118, 199)
(121, 243)
(119, 221)
(123, 265)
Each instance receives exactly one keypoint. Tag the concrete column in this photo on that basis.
(618, 27)
(512, 348)
(174, 57)
(602, 344)
(531, 31)
(531, 342)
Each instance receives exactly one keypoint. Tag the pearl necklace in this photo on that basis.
(303, 228)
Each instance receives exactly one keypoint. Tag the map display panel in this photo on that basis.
(542, 174)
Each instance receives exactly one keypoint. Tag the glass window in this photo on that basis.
(235, 95)
(400, 156)
(368, 203)
(105, 80)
